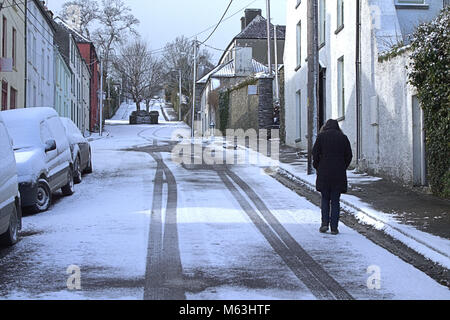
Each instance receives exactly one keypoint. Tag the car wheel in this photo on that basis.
(77, 171)
(11, 236)
(88, 169)
(44, 196)
(68, 189)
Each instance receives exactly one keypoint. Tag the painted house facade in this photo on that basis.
(63, 76)
(386, 128)
(12, 55)
(40, 56)
(89, 54)
(67, 45)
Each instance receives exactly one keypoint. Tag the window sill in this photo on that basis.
(298, 68)
(412, 6)
(339, 29)
(321, 45)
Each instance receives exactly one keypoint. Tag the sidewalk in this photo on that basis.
(420, 221)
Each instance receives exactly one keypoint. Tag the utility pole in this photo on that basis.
(181, 95)
(277, 83)
(313, 77)
(193, 94)
(101, 97)
(269, 54)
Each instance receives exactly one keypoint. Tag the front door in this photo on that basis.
(322, 97)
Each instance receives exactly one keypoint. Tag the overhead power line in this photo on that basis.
(218, 24)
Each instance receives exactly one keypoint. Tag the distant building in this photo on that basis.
(389, 116)
(12, 55)
(254, 35)
(92, 61)
(67, 45)
(40, 56)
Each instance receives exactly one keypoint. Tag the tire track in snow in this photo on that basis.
(164, 273)
(308, 271)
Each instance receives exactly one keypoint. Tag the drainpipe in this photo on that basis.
(358, 82)
(26, 54)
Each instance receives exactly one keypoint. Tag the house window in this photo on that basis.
(13, 99)
(4, 95)
(322, 22)
(411, 1)
(4, 37)
(340, 13)
(14, 45)
(298, 98)
(341, 87)
(34, 52)
(299, 44)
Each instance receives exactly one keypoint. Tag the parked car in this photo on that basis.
(43, 157)
(10, 210)
(80, 148)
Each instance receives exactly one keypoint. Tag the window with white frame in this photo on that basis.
(298, 97)
(322, 22)
(299, 44)
(340, 13)
(341, 87)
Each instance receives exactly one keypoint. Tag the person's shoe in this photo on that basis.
(335, 232)
(323, 229)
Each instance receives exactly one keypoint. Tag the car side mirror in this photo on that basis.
(50, 145)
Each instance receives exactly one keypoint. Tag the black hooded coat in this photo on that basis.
(332, 154)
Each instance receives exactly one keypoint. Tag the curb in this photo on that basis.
(365, 218)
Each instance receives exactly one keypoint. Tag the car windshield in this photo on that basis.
(24, 135)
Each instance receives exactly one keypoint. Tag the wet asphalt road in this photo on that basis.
(162, 231)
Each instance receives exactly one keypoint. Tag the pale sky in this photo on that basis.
(163, 20)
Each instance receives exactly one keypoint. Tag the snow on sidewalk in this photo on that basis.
(435, 248)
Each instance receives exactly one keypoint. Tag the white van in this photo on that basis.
(10, 210)
(43, 157)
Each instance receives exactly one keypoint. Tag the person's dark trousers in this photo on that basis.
(331, 208)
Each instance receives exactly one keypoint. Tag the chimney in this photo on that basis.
(243, 61)
(243, 25)
(251, 14)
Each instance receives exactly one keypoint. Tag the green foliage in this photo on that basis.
(224, 110)
(430, 74)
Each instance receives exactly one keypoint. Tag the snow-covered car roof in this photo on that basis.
(73, 133)
(23, 125)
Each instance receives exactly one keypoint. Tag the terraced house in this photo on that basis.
(360, 84)
(12, 54)
(40, 56)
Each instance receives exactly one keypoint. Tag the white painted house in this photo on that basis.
(40, 56)
(387, 137)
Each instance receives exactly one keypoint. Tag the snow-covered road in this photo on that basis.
(142, 226)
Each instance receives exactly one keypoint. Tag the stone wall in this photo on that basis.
(248, 111)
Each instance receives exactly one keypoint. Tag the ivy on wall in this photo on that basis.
(224, 110)
(430, 74)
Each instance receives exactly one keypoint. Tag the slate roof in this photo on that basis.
(227, 70)
(257, 29)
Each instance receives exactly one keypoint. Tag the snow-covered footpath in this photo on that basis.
(432, 247)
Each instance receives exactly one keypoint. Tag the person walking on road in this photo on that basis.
(332, 155)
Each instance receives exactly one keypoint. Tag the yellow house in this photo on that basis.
(12, 54)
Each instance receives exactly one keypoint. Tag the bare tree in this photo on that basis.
(140, 69)
(179, 55)
(80, 14)
(116, 22)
